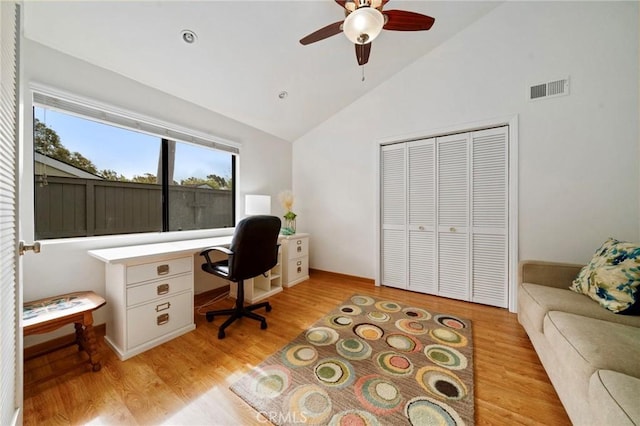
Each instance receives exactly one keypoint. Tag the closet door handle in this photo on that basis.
(452, 229)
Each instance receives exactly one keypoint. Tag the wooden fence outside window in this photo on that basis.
(75, 207)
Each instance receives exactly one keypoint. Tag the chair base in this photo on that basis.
(238, 312)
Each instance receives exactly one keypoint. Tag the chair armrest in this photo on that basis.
(221, 249)
(551, 274)
(217, 248)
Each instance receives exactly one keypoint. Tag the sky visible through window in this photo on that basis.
(128, 152)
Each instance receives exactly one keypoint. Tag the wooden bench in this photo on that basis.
(49, 314)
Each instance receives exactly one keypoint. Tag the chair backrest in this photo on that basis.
(254, 246)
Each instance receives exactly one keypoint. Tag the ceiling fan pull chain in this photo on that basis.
(363, 73)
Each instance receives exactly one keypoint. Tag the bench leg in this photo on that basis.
(87, 341)
(79, 336)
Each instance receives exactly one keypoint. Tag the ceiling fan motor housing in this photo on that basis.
(352, 5)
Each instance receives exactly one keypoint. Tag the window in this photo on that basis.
(95, 177)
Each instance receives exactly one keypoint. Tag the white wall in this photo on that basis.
(578, 155)
(64, 265)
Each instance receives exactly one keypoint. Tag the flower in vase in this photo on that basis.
(286, 199)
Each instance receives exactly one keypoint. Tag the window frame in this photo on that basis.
(52, 99)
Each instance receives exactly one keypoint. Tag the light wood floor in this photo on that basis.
(186, 381)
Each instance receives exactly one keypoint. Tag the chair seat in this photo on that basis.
(217, 268)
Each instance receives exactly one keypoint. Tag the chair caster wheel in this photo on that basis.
(220, 334)
(268, 308)
(209, 317)
(263, 325)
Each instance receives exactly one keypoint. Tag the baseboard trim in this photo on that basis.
(58, 343)
(337, 275)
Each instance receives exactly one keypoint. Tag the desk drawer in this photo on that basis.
(158, 289)
(158, 270)
(298, 268)
(298, 247)
(156, 319)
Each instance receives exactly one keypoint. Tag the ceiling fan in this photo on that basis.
(364, 20)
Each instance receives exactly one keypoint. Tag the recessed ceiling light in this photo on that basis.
(283, 94)
(188, 36)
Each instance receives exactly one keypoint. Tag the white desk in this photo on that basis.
(149, 288)
(145, 252)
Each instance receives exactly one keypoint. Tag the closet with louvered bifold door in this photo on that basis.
(444, 216)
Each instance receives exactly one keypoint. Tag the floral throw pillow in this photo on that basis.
(612, 278)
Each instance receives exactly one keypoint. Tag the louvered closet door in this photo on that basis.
(453, 216)
(393, 211)
(421, 181)
(489, 217)
(10, 333)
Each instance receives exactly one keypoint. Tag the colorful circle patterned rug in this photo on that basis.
(369, 362)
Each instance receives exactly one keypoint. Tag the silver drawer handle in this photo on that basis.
(163, 306)
(163, 289)
(299, 242)
(299, 262)
(162, 319)
(163, 269)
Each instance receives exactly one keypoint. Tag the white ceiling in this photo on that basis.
(246, 53)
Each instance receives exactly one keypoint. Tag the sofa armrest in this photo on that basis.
(551, 274)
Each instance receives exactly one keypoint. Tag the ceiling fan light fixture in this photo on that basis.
(363, 25)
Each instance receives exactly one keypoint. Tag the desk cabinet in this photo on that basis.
(295, 259)
(151, 302)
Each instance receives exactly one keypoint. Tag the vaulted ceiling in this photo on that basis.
(246, 52)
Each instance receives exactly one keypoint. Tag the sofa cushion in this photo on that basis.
(614, 398)
(534, 301)
(589, 344)
(612, 276)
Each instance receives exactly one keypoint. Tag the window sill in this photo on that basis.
(89, 243)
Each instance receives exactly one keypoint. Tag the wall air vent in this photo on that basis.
(550, 89)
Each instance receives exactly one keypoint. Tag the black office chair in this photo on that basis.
(253, 251)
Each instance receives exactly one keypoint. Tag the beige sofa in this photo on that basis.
(591, 355)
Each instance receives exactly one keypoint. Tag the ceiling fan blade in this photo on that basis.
(402, 20)
(362, 53)
(322, 33)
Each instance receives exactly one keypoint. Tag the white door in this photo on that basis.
(421, 229)
(10, 299)
(393, 215)
(489, 217)
(453, 216)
